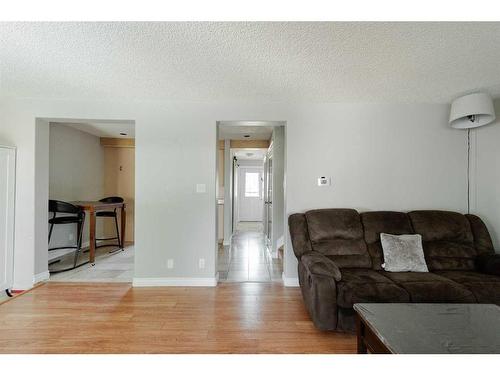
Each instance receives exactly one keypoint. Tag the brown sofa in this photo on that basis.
(340, 261)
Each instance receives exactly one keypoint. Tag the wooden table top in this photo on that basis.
(96, 205)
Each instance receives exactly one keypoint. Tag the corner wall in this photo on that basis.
(278, 198)
(76, 172)
(486, 200)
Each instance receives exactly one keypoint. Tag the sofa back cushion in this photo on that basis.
(338, 234)
(377, 222)
(482, 238)
(299, 234)
(447, 239)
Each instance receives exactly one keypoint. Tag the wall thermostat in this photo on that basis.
(323, 181)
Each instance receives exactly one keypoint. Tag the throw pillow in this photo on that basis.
(403, 253)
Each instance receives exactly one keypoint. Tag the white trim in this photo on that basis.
(174, 281)
(290, 281)
(280, 242)
(39, 277)
(9, 219)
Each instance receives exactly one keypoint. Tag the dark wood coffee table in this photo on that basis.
(427, 328)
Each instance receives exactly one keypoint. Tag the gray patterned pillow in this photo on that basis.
(403, 253)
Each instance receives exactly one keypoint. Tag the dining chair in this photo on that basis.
(71, 214)
(111, 214)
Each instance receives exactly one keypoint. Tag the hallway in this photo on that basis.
(247, 259)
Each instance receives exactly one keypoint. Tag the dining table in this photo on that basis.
(91, 207)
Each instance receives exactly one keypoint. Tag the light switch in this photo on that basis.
(201, 188)
(324, 181)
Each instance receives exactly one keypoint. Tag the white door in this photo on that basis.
(7, 185)
(268, 196)
(250, 193)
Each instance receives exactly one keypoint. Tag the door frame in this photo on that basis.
(265, 218)
(238, 200)
(7, 281)
(229, 193)
(42, 168)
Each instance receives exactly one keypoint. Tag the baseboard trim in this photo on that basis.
(290, 281)
(174, 281)
(42, 276)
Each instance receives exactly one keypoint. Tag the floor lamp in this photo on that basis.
(468, 112)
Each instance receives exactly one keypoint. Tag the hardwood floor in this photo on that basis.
(116, 318)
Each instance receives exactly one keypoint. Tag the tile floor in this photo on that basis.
(115, 267)
(247, 258)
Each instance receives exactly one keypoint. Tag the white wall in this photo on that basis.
(486, 202)
(278, 198)
(380, 156)
(41, 205)
(76, 172)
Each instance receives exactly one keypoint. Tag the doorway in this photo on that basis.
(246, 189)
(92, 162)
(250, 195)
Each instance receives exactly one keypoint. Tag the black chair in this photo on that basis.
(112, 214)
(71, 215)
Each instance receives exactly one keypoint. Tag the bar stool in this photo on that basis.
(111, 214)
(72, 215)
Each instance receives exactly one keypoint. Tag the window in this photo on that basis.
(252, 185)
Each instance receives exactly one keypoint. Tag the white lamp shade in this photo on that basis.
(478, 105)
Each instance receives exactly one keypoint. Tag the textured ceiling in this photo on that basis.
(425, 62)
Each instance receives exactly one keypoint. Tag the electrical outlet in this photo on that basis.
(170, 263)
(201, 263)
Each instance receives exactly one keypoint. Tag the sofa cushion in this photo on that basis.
(299, 234)
(365, 285)
(482, 238)
(486, 288)
(449, 255)
(447, 239)
(429, 287)
(338, 234)
(377, 222)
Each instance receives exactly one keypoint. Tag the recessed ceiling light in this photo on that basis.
(123, 133)
(247, 136)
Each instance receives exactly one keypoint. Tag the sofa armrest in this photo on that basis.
(318, 264)
(489, 263)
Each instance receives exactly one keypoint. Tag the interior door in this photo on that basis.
(7, 186)
(250, 197)
(269, 198)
